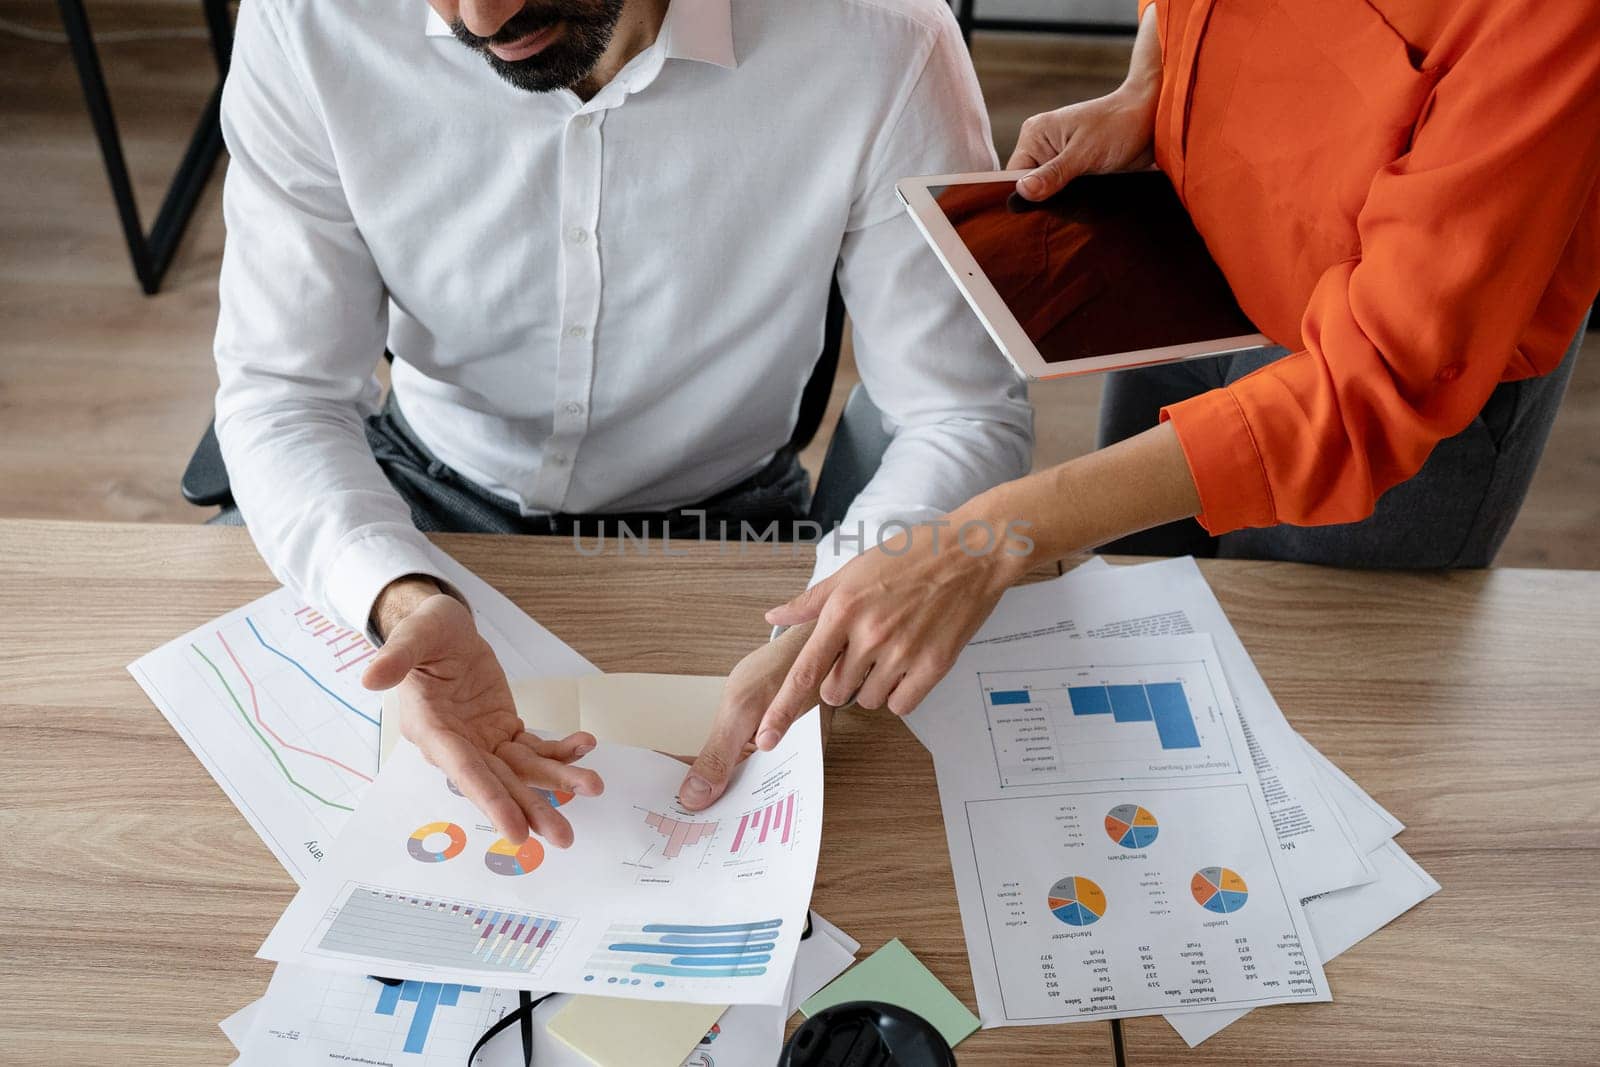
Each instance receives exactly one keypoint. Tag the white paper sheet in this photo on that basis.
(642, 904)
(1112, 848)
(1339, 920)
(1318, 849)
(1369, 821)
(269, 698)
(318, 1018)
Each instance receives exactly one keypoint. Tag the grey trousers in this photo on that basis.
(1455, 512)
(444, 501)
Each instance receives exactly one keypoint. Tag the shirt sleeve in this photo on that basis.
(303, 322)
(958, 413)
(1460, 240)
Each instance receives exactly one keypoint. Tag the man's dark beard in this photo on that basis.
(564, 63)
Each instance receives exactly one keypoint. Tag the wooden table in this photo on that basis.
(135, 896)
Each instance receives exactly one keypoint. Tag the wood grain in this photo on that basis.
(136, 896)
(1465, 704)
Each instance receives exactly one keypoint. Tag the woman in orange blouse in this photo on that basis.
(1403, 195)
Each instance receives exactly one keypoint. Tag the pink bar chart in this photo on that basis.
(775, 821)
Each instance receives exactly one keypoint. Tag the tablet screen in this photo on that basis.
(1111, 264)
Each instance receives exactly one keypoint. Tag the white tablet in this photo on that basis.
(1108, 274)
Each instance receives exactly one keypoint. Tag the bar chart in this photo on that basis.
(377, 922)
(775, 821)
(680, 833)
(1060, 725)
(428, 998)
(664, 953)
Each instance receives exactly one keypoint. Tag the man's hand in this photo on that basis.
(751, 687)
(456, 707)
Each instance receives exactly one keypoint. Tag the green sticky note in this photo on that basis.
(894, 976)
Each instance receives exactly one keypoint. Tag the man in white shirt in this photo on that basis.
(598, 238)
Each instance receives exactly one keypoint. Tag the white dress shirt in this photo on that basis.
(601, 306)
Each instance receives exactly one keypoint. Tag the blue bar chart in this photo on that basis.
(1051, 726)
(428, 998)
(662, 953)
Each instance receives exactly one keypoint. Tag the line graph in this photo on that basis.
(301, 668)
(262, 698)
(270, 751)
(255, 707)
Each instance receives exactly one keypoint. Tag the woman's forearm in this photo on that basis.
(1144, 65)
(1130, 486)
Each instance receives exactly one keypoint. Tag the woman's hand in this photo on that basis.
(1099, 136)
(891, 622)
(751, 687)
(1110, 133)
(456, 706)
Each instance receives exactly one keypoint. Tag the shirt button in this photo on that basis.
(1448, 373)
(574, 408)
(578, 235)
(583, 121)
(560, 459)
(577, 332)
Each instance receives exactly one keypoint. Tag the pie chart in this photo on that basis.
(423, 836)
(1219, 889)
(556, 797)
(1077, 901)
(1131, 826)
(505, 858)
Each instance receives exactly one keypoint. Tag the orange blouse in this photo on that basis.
(1406, 194)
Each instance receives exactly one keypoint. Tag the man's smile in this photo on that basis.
(529, 45)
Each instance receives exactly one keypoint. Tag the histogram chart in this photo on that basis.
(1078, 724)
(680, 833)
(662, 954)
(428, 998)
(316, 1016)
(439, 932)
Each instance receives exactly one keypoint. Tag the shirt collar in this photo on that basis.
(699, 30)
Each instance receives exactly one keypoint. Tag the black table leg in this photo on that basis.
(152, 253)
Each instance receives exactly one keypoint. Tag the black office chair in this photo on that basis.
(853, 455)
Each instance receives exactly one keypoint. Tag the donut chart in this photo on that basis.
(1131, 826)
(417, 845)
(510, 860)
(1077, 901)
(1219, 889)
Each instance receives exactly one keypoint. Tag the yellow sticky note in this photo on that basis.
(614, 1032)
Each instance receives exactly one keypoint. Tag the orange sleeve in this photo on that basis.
(1460, 240)
(1144, 5)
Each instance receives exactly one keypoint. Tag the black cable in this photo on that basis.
(522, 1016)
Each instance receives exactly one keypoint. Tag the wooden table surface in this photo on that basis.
(135, 896)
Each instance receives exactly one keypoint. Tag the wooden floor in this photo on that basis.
(103, 391)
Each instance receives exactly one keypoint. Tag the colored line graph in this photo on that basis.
(428, 997)
(255, 707)
(309, 676)
(262, 738)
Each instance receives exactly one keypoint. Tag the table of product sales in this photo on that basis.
(135, 896)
